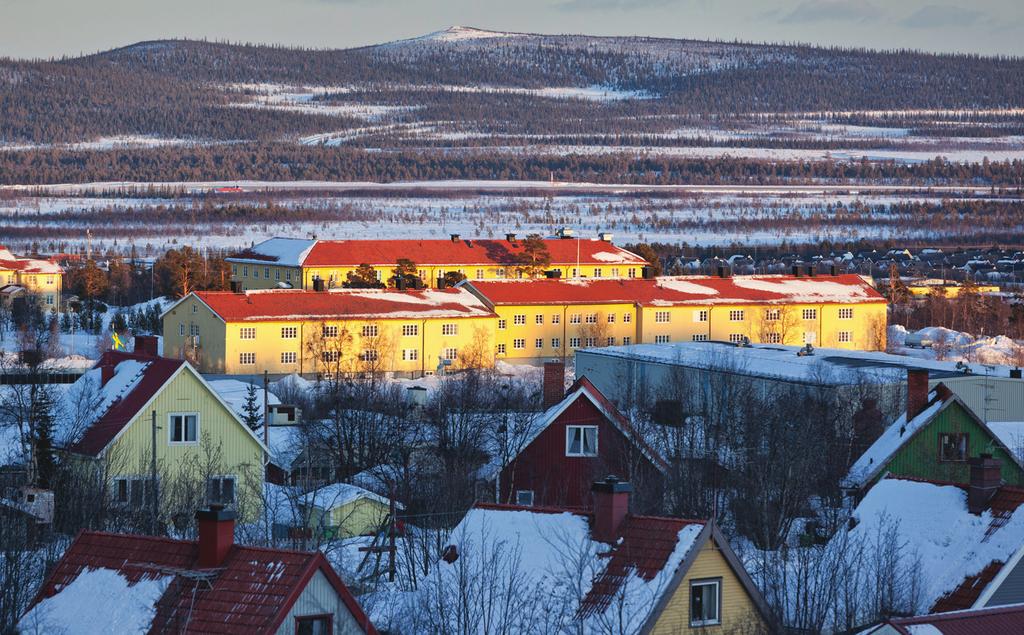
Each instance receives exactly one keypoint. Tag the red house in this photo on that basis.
(579, 439)
(118, 583)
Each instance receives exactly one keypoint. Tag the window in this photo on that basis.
(451, 353)
(611, 318)
(591, 318)
(524, 497)
(410, 330)
(370, 330)
(289, 332)
(845, 337)
(632, 272)
(810, 337)
(574, 342)
(574, 318)
(610, 341)
(266, 272)
(539, 342)
(627, 340)
(810, 314)
(369, 355)
(49, 300)
(410, 354)
(247, 333)
(661, 339)
(288, 276)
(132, 492)
(449, 329)
(234, 270)
(501, 349)
(245, 272)
(277, 274)
(773, 338)
(502, 324)
(556, 319)
(314, 625)
(615, 272)
(330, 356)
(220, 490)
(590, 341)
(700, 337)
(575, 272)
(329, 330)
(627, 318)
(772, 315)
(500, 273)
(193, 330)
(247, 358)
(181, 329)
(581, 440)
(736, 315)
(556, 342)
(846, 314)
(538, 319)
(953, 446)
(479, 274)
(597, 272)
(518, 320)
(662, 316)
(195, 308)
(705, 602)
(519, 343)
(289, 357)
(183, 428)
(737, 338)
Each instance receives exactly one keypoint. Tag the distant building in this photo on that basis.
(978, 621)
(342, 510)
(43, 278)
(296, 263)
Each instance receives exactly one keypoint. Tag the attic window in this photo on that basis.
(313, 625)
(953, 446)
(705, 602)
(581, 441)
(184, 428)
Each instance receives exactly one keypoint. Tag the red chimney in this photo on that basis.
(146, 345)
(611, 504)
(917, 391)
(986, 478)
(107, 368)
(554, 383)
(216, 535)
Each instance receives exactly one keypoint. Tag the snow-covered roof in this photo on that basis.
(289, 252)
(234, 392)
(827, 366)
(338, 495)
(285, 444)
(1011, 434)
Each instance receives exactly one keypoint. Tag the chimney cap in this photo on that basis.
(612, 485)
(215, 513)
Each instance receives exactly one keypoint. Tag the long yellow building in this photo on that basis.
(298, 263)
(39, 277)
(341, 331)
(552, 318)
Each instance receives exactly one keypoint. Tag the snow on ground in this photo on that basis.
(99, 601)
(235, 392)
(957, 347)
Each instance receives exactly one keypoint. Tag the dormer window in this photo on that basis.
(581, 441)
(184, 428)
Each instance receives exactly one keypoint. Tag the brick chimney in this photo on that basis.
(554, 383)
(917, 391)
(146, 345)
(986, 478)
(107, 370)
(216, 535)
(611, 505)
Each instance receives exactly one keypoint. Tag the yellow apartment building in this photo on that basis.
(298, 263)
(343, 331)
(550, 318)
(925, 288)
(39, 277)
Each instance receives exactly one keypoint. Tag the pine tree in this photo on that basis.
(42, 438)
(364, 277)
(252, 411)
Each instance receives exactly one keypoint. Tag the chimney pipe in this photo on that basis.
(455, 238)
(554, 383)
(810, 271)
(510, 238)
(107, 368)
(796, 271)
(833, 269)
(146, 345)
(611, 505)
(216, 535)
(917, 391)
(986, 478)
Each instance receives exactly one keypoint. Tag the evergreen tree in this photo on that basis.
(252, 410)
(405, 272)
(42, 437)
(535, 257)
(364, 277)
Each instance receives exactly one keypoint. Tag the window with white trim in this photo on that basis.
(329, 330)
(575, 318)
(132, 491)
(538, 319)
(501, 349)
(772, 315)
(289, 332)
(479, 274)
(627, 318)
(661, 339)
(845, 337)
(524, 497)
(611, 318)
(450, 329)
(289, 357)
(519, 320)
(581, 440)
(556, 342)
(538, 343)
(574, 342)
(181, 329)
(610, 341)
(195, 308)
(662, 316)
(266, 272)
(700, 337)
(451, 354)
(519, 343)
(846, 313)
(247, 333)
(245, 271)
(247, 359)
(627, 340)
(591, 318)
(615, 272)
(330, 356)
(773, 338)
(737, 338)
(277, 275)
(556, 319)
(193, 330)
(220, 490)
(590, 341)
(705, 602)
(597, 272)
(736, 315)
(183, 427)
(410, 354)
(370, 330)
(810, 314)
(369, 355)
(502, 325)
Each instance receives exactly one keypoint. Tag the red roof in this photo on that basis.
(121, 412)
(1008, 619)
(668, 291)
(350, 253)
(965, 595)
(255, 306)
(251, 593)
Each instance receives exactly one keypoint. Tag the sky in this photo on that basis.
(54, 28)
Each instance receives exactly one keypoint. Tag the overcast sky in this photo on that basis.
(44, 28)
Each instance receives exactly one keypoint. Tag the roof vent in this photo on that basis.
(806, 351)
(456, 238)
(564, 233)
(510, 238)
(605, 236)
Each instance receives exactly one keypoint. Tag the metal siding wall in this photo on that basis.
(319, 598)
(1006, 396)
(1011, 591)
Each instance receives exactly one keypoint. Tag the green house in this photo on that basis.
(936, 444)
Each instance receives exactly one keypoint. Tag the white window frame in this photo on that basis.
(773, 337)
(706, 621)
(538, 343)
(289, 332)
(410, 330)
(519, 319)
(410, 354)
(524, 494)
(736, 338)
(329, 330)
(501, 349)
(574, 342)
(518, 343)
(451, 353)
(846, 313)
(242, 357)
(845, 337)
(662, 339)
(700, 337)
(809, 314)
(449, 329)
(289, 357)
(627, 340)
(370, 330)
(662, 317)
(556, 342)
(247, 333)
(570, 432)
(591, 318)
(184, 428)
(502, 324)
(627, 318)
(575, 318)
(556, 318)
(736, 315)
(538, 319)
(772, 315)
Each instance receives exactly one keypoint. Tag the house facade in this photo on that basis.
(42, 278)
(344, 331)
(297, 263)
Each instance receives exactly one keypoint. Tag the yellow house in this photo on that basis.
(202, 448)
(297, 263)
(342, 331)
(341, 510)
(948, 289)
(40, 277)
(546, 318)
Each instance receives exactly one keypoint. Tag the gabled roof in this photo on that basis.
(338, 495)
(9, 261)
(669, 291)
(287, 304)
(287, 252)
(1004, 619)
(251, 592)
